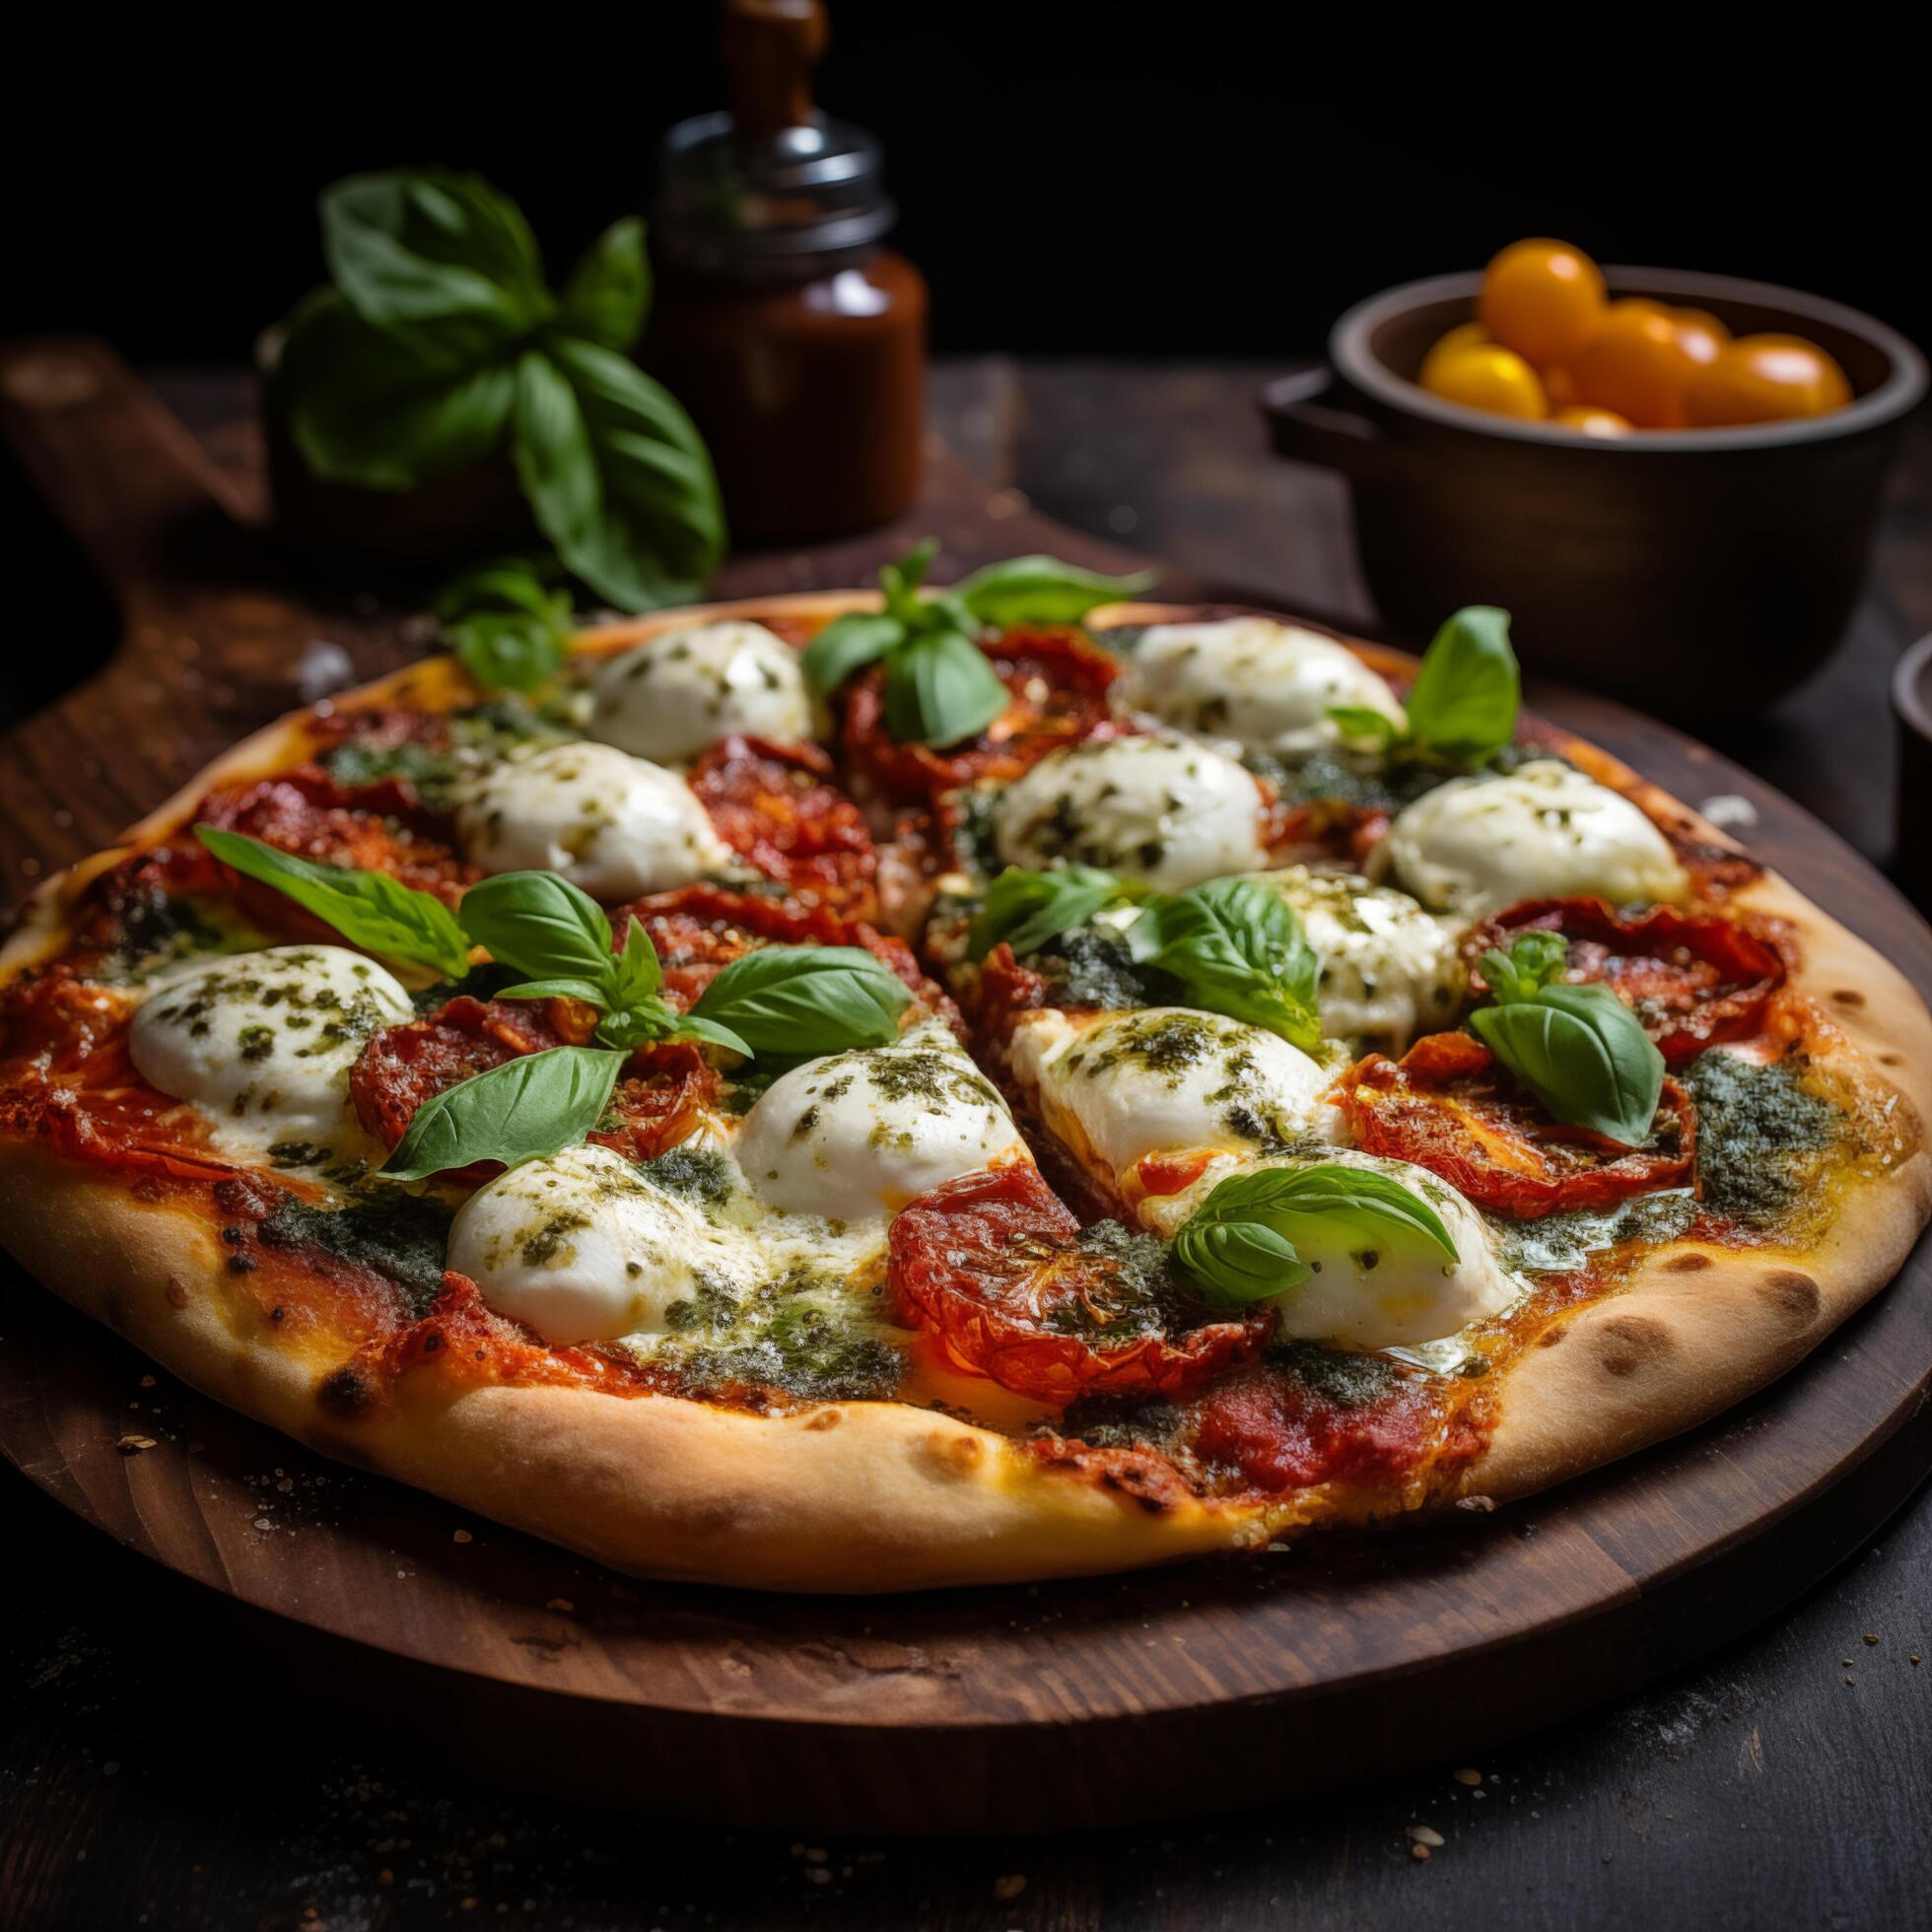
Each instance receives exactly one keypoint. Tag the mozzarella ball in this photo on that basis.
(583, 1249)
(1162, 1081)
(1152, 808)
(263, 1042)
(613, 824)
(671, 697)
(861, 1133)
(1267, 686)
(1542, 831)
(1381, 1291)
(1390, 971)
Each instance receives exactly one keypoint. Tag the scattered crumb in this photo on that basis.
(132, 1445)
(561, 1605)
(462, 1535)
(1425, 1835)
(1010, 1886)
(147, 1381)
(1420, 1853)
(1871, 1637)
(1469, 1775)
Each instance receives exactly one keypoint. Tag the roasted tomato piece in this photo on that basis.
(375, 829)
(1003, 1273)
(1058, 682)
(1448, 1107)
(1327, 829)
(658, 1102)
(1692, 977)
(699, 930)
(775, 806)
(1316, 1416)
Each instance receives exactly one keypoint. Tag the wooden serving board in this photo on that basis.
(1222, 1683)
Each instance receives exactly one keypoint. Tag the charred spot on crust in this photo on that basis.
(346, 1393)
(1794, 1294)
(1628, 1343)
(1687, 1264)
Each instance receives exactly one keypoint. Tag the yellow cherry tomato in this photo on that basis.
(1766, 378)
(1591, 420)
(1543, 300)
(1636, 365)
(1558, 386)
(1464, 336)
(1702, 334)
(1487, 377)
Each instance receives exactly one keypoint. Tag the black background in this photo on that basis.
(1173, 177)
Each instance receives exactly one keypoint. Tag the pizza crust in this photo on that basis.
(873, 1496)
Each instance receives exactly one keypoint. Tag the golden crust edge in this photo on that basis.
(884, 1499)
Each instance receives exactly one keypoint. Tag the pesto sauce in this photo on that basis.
(477, 736)
(1557, 1242)
(1755, 1125)
(402, 1236)
(700, 1174)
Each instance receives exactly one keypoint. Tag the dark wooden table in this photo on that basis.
(1787, 1781)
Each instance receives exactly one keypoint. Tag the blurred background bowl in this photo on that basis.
(1689, 572)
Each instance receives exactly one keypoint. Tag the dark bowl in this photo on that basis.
(1686, 571)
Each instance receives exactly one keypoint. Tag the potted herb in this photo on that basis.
(438, 399)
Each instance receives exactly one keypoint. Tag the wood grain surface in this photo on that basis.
(977, 1710)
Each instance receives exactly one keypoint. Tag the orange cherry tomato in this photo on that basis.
(1591, 420)
(1702, 334)
(1766, 378)
(1636, 365)
(1489, 376)
(1543, 300)
(1464, 336)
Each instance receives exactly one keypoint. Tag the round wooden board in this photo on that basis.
(1221, 1685)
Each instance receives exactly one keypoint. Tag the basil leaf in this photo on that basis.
(585, 990)
(806, 999)
(414, 247)
(694, 1026)
(1027, 909)
(367, 409)
(1464, 698)
(370, 910)
(640, 972)
(512, 650)
(1238, 1261)
(1583, 1054)
(1360, 725)
(616, 474)
(541, 926)
(1237, 947)
(1042, 590)
(1239, 1243)
(899, 583)
(940, 689)
(1532, 962)
(608, 293)
(532, 1106)
(847, 644)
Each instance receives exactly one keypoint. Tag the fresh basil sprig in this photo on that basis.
(1237, 949)
(440, 340)
(508, 625)
(557, 935)
(1240, 1244)
(1579, 1049)
(1027, 909)
(534, 1105)
(939, 687)
(806, 999)
(370, 910)
(1463, 707)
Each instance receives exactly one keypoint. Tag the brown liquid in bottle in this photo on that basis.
(797, 343)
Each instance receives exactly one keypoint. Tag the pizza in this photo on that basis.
(899, 1088)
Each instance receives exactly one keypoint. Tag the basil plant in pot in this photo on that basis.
(438, 399)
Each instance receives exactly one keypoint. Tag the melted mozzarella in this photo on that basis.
(583, 1248)
(1390, 970)
(1164, 1081)
(263, 1042)
(861, 1133)
(1386, 1292)
(674, 695)
(611, 823)
(1156, 809)
(1267, 686)
(1543, 831)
